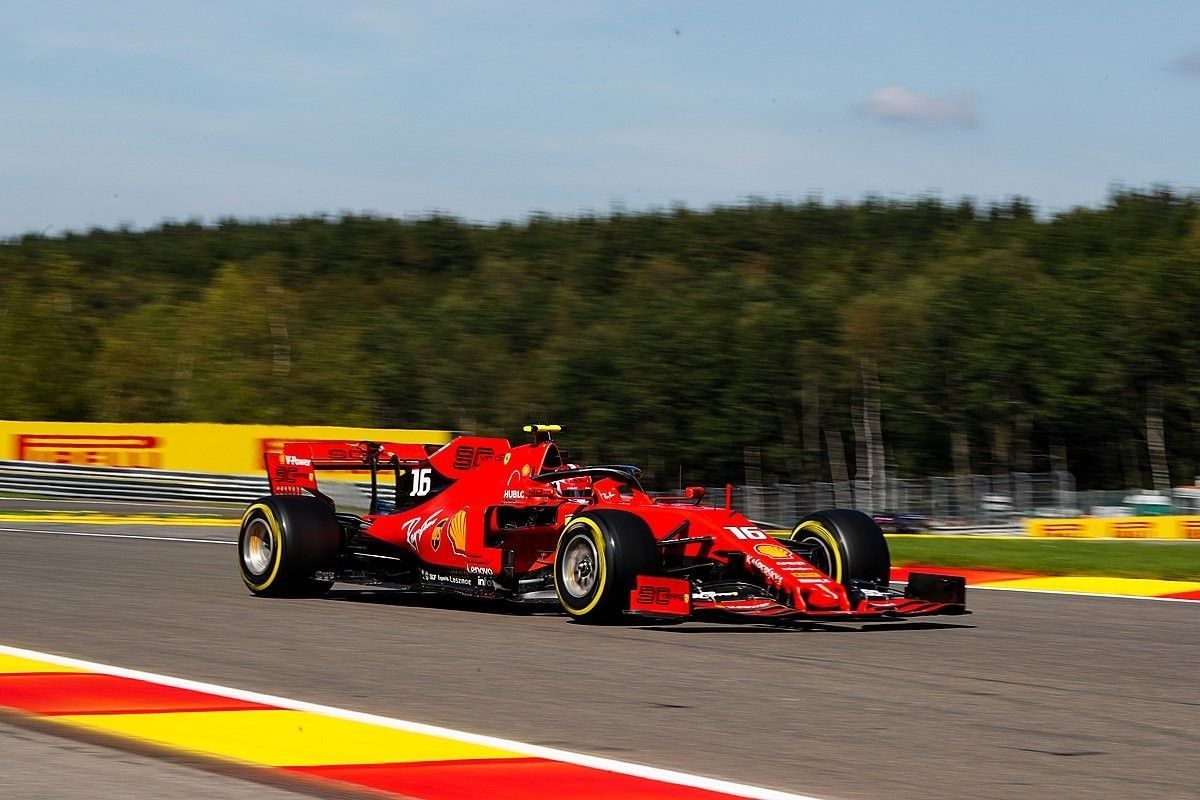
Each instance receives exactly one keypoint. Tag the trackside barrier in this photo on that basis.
(966, 501)
(1176, 527)
(187, 446)
(30, 478)
(33, 479)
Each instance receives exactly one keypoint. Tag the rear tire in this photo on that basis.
(849, 546)
(599, 556)
(283, 542)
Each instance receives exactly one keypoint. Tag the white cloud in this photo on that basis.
(904, 105)
(1187, 64)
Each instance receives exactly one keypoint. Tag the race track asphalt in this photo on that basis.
(1033, 696)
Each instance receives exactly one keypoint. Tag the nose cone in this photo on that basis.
(826, 596)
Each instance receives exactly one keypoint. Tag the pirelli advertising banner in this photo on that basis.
(188, 447)
(1116, 528)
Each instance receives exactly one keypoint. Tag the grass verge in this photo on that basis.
(1177, 561)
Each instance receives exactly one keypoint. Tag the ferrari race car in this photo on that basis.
(482, 517)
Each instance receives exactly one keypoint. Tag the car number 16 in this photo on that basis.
(422, 482)
(746, 531)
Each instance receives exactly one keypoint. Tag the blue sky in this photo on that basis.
(135, 112)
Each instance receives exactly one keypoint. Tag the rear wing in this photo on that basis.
(293, 471)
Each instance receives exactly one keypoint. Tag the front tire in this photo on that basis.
(283, 541)
(599, 556)
(847, 546)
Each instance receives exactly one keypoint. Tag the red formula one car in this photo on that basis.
(480, 516)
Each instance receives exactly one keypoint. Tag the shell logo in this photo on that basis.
(458, 531)
(525, 470)
(773, 551)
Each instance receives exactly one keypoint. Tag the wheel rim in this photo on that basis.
(821, 558)
(258, 549)
(580, 562)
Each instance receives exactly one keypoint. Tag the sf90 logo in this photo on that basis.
(658, 596)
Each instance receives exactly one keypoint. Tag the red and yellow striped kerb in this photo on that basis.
(406, 759)
(1096, 585)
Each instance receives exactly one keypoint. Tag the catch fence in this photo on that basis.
(945, 501)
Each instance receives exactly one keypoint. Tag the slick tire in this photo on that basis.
(283, 541)
(848, 546)
(599, 556)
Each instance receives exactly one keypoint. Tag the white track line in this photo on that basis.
(595, 762)
(91, 535)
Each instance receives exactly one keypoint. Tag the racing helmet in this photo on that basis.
(580, 486)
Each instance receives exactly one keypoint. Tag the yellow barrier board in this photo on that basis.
(1116, 528)
(184, 446)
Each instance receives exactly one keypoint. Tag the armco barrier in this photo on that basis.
(192, 447)
(32, 479)
(29, 478)
(1167, 527)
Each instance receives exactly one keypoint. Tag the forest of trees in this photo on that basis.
(781, 342)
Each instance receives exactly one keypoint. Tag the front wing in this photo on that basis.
(924, 595)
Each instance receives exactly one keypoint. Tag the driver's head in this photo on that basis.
(574, 487)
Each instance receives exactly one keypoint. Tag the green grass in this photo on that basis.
(1119, 559)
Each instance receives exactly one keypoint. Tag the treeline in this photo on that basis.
(772, 341)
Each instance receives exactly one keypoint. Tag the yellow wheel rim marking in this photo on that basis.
(601, 556)
(273, 524)
(820, 532)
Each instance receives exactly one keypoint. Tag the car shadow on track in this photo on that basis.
(402, 599)
(803, 627)
(448, 602)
